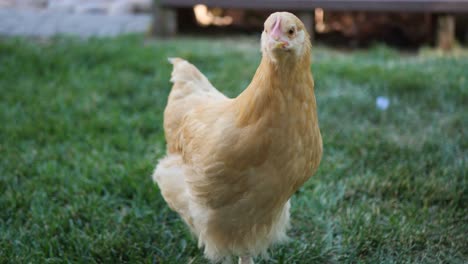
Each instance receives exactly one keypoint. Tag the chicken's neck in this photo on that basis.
(275, 87)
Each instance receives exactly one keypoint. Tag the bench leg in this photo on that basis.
(308, 19)
(164, 21)
(445, 32)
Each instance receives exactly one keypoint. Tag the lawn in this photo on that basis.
(81, 131)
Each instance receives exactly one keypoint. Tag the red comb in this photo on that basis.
(276, 31)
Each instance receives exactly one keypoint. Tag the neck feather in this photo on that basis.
(276, 84)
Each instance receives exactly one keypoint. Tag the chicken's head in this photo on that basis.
(284, 35)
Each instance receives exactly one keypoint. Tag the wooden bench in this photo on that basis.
(166, 20)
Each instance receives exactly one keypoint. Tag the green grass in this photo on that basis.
(81, 130)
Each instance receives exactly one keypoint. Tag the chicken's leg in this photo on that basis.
(246, 260)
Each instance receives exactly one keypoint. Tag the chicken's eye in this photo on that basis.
(291, 31)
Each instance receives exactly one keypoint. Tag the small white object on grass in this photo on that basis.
(382, 103)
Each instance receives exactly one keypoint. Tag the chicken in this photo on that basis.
(233, 164)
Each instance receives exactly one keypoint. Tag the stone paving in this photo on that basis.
(46, 23)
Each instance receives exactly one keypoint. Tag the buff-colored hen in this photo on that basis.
(233, 164)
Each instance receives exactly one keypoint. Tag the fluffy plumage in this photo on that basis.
(233, 164)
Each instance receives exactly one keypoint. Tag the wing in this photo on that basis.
(222, 157)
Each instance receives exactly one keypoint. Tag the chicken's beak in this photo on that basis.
(281, 45)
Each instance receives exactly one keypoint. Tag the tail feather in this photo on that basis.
(185, 74)
(184, 71)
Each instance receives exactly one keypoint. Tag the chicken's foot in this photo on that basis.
(246, 260)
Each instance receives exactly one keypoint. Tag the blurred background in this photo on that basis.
(346, 23)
